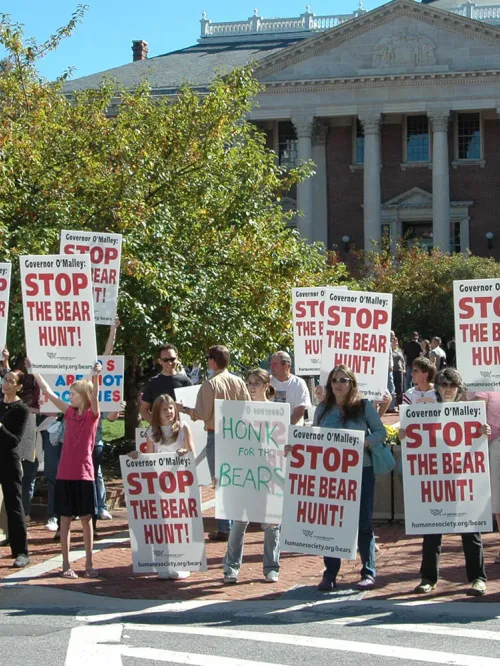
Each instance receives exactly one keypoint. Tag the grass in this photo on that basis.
(112, 430)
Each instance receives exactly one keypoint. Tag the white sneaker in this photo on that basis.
(105, 515)
(174, 575)
(51, 525)
(272, 577)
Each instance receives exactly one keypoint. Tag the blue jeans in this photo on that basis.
(366, 538)
(51, 456)
(100, 487)
(234, 553)
(223, 526)
(29, 479)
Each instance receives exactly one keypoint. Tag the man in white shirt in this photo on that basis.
(437, 355)
(289, 388)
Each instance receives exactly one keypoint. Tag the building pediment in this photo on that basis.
(414, 197)
(401, 37)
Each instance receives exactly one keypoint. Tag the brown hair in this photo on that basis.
(265, 378)
(156, 424)
(220, 355)
(84, 388)
(451, 376)
(426, 365)
(353, 405)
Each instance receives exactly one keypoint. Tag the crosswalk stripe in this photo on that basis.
(190, 658)
(480, 634)
(376, 649)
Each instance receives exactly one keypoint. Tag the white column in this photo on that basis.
(371, 181)
(440, 181)
(320, 188)
(304, 128)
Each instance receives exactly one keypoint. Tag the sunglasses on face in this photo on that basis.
(447, 385)
(340, 380)
(172, 359)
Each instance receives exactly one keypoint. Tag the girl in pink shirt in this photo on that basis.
(74, 491)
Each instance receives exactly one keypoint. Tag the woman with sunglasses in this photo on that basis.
(260, 389)
(343, 407)
(14, 416)
(450, 388)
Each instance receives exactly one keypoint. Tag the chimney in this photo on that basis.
(139, 49)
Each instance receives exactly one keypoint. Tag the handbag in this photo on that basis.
(382, 459)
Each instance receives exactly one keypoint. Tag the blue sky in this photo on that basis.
(105, 37)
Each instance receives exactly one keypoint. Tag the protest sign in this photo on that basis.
(141, 439)
(5, 273)
(446, 471)
(105, 257)
(110, 385)
(187, 395)
(250, 440)
(58, 313)
(356, 333)
(322, 492)
(308, 308)
(164, 513)
(477, 332)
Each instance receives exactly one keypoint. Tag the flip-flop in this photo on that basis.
(91, 573)
(69, 573)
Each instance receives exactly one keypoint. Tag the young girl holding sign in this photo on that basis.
(167, 435)
(450, 388)
(74, 491)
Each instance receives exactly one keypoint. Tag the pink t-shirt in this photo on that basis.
(79, 437)
(492, 411)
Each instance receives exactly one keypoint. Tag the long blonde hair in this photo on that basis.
(157, 434)
(84, 389)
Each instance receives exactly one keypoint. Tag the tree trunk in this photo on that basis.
(132, 394)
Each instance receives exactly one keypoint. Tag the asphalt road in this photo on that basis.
(40, 626)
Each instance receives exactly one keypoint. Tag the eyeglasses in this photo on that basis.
(447, 385)
(172, 359)
(340, 380)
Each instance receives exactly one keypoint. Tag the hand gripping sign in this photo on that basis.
(105, 256)
(356, 333)
(58, 313)
(164, 513)
(446, 475)
(477, 332)
(5, 273)
(322, 492)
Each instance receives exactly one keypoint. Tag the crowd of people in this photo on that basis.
(421, 372)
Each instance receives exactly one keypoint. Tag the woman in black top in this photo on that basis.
(13, 418)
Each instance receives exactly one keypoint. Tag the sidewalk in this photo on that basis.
(397, 563)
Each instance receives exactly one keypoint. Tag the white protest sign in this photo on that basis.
(58, 313)
(5, 273)
(445, 468)
(164, 513)
(141, 439)
(105, 256)
(322, 492)
(110, 385)
(356, 333)
(477, 332)
(308, 307)
(187, 395)
(250, 439)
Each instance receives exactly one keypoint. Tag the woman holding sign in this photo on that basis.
(260, 389)
(343, 407)
(450, 388)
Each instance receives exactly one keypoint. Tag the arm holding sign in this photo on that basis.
(94, 397)
(46, 390)
(110, 344)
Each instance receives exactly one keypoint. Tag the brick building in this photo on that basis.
(398, 107)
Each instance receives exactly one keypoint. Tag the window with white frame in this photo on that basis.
(455, 237)
(469, 136)
(287, 144)
(417, 139)
(359, 143)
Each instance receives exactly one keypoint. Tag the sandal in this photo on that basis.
(69, 573)
(91, 573)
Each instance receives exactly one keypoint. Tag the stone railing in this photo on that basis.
(256, 25)
(470, 10)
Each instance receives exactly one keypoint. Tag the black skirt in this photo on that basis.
(74, 498)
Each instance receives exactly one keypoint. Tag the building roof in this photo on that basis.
(197, 65)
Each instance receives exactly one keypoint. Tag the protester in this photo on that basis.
(450, 388)
(74, 491)
(423, 372)
(412, 350)
(399, 370)
(493, 419)
(260, 389)
(14, 415)
(451, 353)
(437, 355)
(343, 407)
(167, 434)
(425, 346)
(221, 386)
(289, 388)
(390, 376)
(166, 381)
